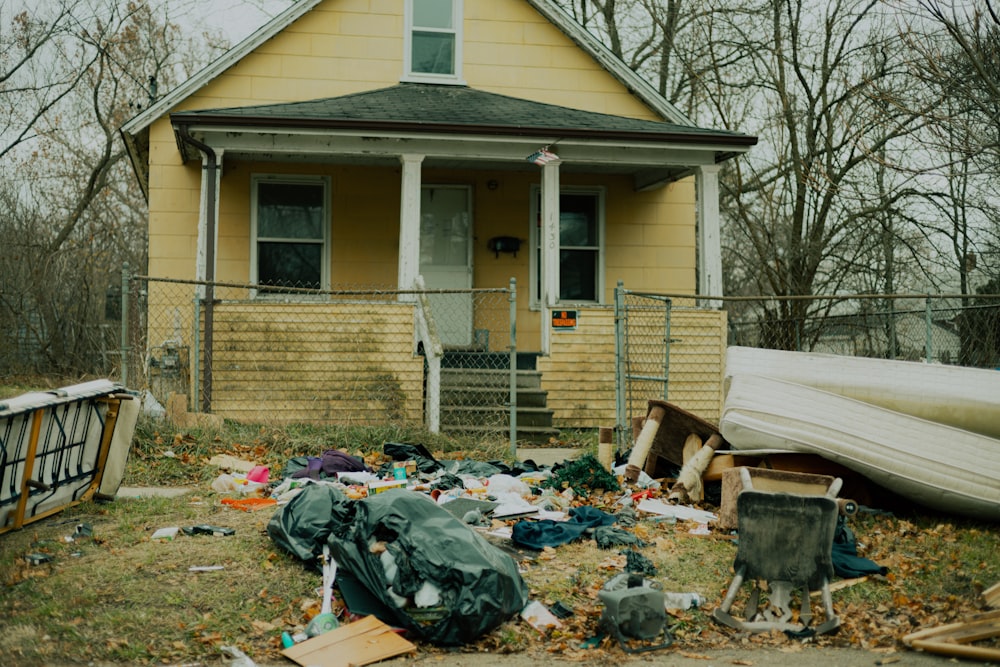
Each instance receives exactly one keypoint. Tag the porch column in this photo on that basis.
(549, 267)
(208, 214)
(709, 243)
(409, 223)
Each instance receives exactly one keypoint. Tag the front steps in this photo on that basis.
(477, 400)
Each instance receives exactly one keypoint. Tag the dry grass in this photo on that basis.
(122, 597)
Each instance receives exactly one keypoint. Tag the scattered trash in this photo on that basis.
(584, 475)
(325, 620)
(228, 462)
(258, 474)
(240, 659)
(249, 504)
(682, 512)
(206, 568)
(38, 559)
(205, 529)
(479, 585)
(561, 610)
(538, 616)
(681, 601)
(700, 529)
(165, 533)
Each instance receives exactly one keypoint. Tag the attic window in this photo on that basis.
(433, 40)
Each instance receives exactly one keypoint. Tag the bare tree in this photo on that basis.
(73, 214)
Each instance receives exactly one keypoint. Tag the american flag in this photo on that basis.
(542, 156)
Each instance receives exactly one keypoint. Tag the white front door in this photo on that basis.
(446, 258)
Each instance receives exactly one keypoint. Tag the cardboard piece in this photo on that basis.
(360, 643)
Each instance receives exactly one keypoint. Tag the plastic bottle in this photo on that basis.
(681, 600)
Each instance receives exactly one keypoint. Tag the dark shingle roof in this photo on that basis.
(429, 108)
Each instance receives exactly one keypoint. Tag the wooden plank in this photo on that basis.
(991, 596)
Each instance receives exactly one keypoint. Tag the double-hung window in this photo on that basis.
(433, 40)
(290, 224)
(581, 239)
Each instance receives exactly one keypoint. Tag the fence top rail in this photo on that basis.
(307, 291)
(809, 297)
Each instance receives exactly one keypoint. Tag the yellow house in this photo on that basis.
(408, 144)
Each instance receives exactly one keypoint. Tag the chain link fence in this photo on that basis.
(440, 358)
(668, 348)
(962, 331)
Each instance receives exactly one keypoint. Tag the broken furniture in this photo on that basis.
(786, 541)
(765, 479)
(955, 639)
(665, 434)
(59, 448)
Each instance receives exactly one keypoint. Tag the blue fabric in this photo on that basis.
(548, 533)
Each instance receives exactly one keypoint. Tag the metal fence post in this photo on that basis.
(622, 425)
(512, 298)
(125, 346)
(930, 332)
(196, 353)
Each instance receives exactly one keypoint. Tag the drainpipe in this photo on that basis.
(210, 168)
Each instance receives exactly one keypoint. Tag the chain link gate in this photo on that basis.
(642, 355)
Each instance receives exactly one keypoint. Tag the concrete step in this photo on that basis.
(526, 434)
(459, 414)
(465, 395)
(478, 377)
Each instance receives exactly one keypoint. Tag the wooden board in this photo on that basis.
(955, 638)
(360, 643)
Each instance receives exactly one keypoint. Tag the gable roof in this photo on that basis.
(418, 108)
(547, 8)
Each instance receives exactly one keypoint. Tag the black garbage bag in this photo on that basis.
(303, 526)
(399, 451)
(477, 585)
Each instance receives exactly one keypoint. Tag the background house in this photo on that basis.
(466, 143)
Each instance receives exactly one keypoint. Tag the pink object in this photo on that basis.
(258, 474)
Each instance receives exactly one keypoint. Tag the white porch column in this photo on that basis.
(202, 271)
(549, 267)
(709, 233)
(409, 223)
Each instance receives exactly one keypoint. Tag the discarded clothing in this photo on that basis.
(608, 537)
(547, 533)
(636, 562)
(329, 464)
(846, 561)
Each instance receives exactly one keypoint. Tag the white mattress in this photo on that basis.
(935, 465)
(966, 398)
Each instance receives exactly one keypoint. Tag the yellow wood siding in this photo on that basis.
(579, 374)
(345, 363)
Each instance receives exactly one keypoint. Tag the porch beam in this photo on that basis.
(409, 222)
(324, 145)
(549, 268)
(709, 243)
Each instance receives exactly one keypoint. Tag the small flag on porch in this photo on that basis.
(543, 156)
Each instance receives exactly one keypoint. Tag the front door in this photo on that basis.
(446, 259)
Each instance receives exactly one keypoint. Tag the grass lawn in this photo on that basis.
(120, 596)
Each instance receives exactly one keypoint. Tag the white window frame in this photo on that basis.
(535, 232)
(295, 179)
(425, 77)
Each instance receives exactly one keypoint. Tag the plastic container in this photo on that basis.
(681, 601)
